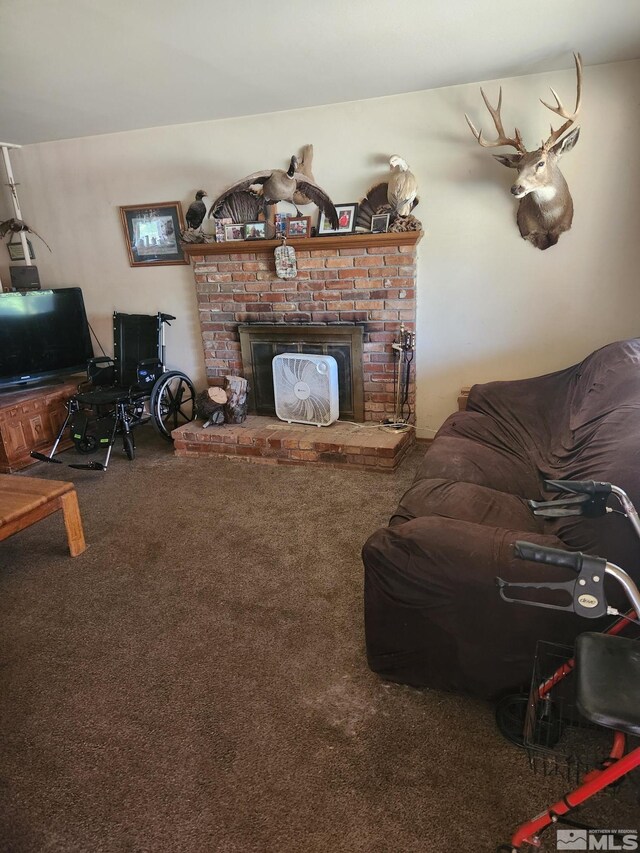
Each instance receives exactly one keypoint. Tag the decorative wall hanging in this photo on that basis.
(152, 233)
(546, 206)
(286, 265)
(16, 227)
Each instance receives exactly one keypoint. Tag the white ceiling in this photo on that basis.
(73, 68)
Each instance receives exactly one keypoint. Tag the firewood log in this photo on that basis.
(210, 405)
(236, 389)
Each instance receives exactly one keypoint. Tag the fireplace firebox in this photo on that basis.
(260, 343)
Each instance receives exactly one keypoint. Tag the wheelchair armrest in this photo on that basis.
(149, 370)
(100, 370)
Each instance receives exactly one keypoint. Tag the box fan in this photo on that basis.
(306, 388)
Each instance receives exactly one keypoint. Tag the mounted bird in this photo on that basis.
(396, 196)
(402, 188)
(197, 211)
(304, 167)
(15, 226)
(280, 185)
(240, 206)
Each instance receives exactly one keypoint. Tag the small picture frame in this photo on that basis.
(346, 220)
(234, 232)
(281, 223)
(255, 231)
(298, 226)
(152, 233)
(16, 252)
(220, 226)
(379, 223)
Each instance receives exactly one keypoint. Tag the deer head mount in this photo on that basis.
(546, 206)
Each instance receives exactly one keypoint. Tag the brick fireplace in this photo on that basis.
(366, 280)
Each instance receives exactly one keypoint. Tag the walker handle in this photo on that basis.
(552, 556)
(586, 592)
(579, 487)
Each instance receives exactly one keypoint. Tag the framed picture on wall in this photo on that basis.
(16, 252)
(152, 232)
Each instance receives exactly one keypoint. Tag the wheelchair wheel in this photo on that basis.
(172, 402)
(88, 444)
(129, 445)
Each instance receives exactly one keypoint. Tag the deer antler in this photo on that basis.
(502, 139)
(561, 111)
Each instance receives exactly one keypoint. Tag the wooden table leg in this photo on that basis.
(73, 523)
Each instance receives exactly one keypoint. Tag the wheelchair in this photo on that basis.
(595, 687)
(122, 392)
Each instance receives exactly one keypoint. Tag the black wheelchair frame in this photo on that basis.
(120, 393)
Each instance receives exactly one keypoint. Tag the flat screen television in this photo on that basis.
(43, 334)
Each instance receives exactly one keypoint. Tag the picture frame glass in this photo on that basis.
(281, 223)
(233, 232)
(16, 251)
(220, 226)
(346, 220)
(379, 223)
(298, 226)
(255, 230)
(153, 233)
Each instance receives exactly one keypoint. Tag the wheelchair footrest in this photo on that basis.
(89, 466)
(42, 458)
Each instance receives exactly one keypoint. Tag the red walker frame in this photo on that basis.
(591, 500)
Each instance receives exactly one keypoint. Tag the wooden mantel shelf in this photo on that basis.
(343, 241)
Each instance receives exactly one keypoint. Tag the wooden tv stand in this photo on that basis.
(30, 420)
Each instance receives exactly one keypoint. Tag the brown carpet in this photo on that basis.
(196, 680)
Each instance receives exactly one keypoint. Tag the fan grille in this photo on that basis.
(306, 388)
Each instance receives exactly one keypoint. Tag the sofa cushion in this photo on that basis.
(433, 615)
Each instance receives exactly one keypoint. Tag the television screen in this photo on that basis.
(43, 333)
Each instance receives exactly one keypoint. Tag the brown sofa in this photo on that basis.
(433, 615)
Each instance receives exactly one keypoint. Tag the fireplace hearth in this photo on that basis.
(360, 285)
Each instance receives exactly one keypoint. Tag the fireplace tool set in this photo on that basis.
(404, 347)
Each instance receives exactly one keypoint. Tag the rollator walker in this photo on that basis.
(597, 687)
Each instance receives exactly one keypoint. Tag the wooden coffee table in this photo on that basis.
(25, 500)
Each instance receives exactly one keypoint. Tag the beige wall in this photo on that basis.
(490, 306)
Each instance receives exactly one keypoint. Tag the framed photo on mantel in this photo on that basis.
(346, 220)
(152, 232)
